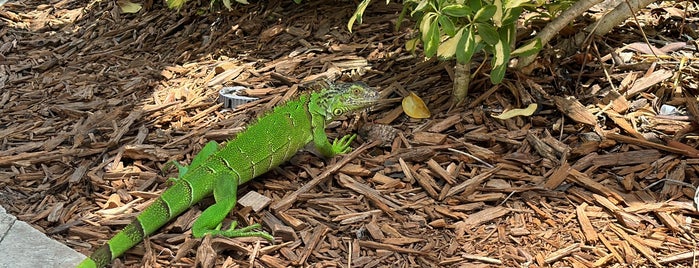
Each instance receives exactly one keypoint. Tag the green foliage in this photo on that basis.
(460, 28)
(357, 14)
(551, 9)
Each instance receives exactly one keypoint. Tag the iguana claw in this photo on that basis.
(342, 146)
(242, 232)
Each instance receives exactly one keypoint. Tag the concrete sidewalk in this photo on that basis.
(23, 246)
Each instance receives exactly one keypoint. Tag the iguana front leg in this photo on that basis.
(209, 222)
(320, 139)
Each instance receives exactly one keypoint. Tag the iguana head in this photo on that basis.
(338, 99)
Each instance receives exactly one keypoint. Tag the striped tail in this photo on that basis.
(150, 220)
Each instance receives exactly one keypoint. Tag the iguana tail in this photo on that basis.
(170, 204)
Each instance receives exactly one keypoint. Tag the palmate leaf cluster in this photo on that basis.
(460, 28)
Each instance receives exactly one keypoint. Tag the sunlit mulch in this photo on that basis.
(94, 103)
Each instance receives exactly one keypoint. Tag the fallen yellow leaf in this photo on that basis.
(517, 112)
(414, 107)
(128, 7)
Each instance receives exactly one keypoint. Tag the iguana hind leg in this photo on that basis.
(209, 149)
(209, 222)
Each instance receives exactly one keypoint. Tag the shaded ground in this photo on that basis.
(93, 103)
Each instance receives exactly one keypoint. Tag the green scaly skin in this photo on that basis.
(272, 140)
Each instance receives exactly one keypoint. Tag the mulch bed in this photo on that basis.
(94, 103)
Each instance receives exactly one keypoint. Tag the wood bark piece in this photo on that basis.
(648, 144)
(294, 222)
(377, 198)
(279, 229)
(611, 249)
(587, 229)
(624, 124)
(317, 236)
(286, 202)
(436, 168)
(427, 183)
(585, 181)
(558, 176)
(469, 186)
(559, 254)
(445, 124)
(575, 110)
(31, 158)
(542, 148)
(484, 216)
(254, 200)
(429, 138)
(274, 261)
(393, 248)
(646, 82)
(679, 257)
(626, 158)
(645, 251)
(482, 259)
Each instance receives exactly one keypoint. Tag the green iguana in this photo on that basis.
(267, 143)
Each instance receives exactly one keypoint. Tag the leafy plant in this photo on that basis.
(460, 28)
(544, 9)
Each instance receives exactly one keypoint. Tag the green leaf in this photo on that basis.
(515, 3)
(497, 17)
(175, 4)
(508, 34)
(420, 7)
(485, 13)
(411, 44)
(457, 11)
(227, 3)
(400, 18)
(298, 1)
(466, 46)
(432, 41)
(511, 15)
(426, 23)
(358, 14)
(447, 49)
(501, 55)
(488, 33)
(529, 49)
(447, 25)
(475, 4)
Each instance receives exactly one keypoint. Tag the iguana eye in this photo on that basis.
(337, 112)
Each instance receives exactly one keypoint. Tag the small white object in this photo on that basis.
(230, 99)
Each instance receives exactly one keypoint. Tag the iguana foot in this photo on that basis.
(242, 232)
(181, 170)
(342, 146)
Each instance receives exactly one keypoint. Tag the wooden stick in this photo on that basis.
(285, 203)
(645, 143)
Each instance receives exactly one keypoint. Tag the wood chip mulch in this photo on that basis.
(94, 103)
